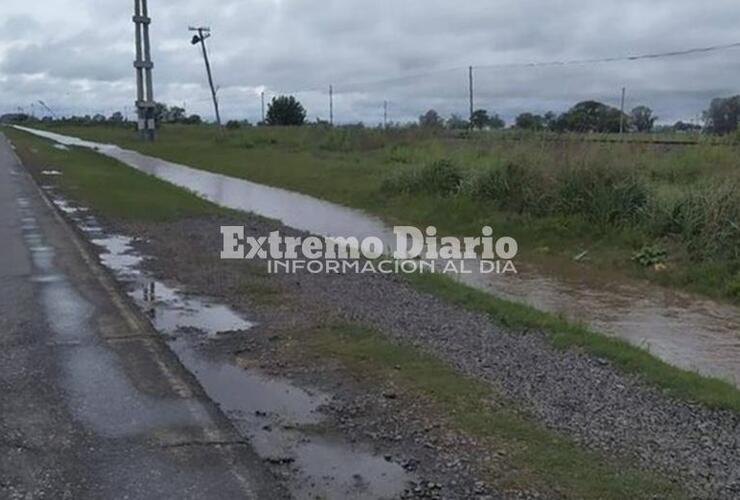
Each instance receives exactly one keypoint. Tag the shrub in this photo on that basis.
(440, 177)
(708, 220)
(606, 194)
(514, 187)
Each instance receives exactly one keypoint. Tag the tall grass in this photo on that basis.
(597, 186)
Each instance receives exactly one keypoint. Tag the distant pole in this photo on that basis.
(263, 107)
(470, 78)
(331, 105)
(385, 114)
(621, 115)
(203, 33)
(144, 87)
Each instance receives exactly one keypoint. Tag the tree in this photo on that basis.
(160, 113)
(455, 122)
(480, 119)
(431, 119)
(530, 121)
(285, 111)
(496, 122)
(643, 119)
(116, 117)
(175, 114)
(723, 115)
(590, 116)
(680, 126)
(193, 120)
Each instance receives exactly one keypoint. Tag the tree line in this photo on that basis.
(590, 116)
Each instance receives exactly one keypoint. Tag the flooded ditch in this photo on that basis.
(687, 331)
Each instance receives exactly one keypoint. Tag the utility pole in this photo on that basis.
(385, 114)
(200, 38)
(621, 115)
(331, 105)
(263, 108)
(47, 108)
(470, 78)
(144, 88)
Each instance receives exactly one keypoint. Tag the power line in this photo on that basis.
(348, 87)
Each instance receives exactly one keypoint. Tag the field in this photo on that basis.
(667, 213)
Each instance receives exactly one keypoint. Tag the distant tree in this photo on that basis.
(116, 117)
(723, 115)
(680, 126)
(549, 119)
(175, 114)
(590, 116)
(495, 122)
(455, 122)
(233, 125)
(98, 118)
(530, 121)
(431, 119)
(480, 119)
(642, 119)
(160, 113)
(285, 111)
(193, 120)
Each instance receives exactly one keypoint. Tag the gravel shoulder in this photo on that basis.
(573, 393)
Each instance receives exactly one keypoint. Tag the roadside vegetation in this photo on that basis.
(536, 458)
(111, 188)
(670, 214)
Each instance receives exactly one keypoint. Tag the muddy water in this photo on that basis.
(684, 330)
(271, 413)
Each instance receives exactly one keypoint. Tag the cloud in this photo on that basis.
(78, 54)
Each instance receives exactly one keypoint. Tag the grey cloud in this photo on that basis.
(303, 45)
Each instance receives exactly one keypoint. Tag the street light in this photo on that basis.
(203, 34)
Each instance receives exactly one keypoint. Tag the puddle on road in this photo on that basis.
(119, 410)
(269, 412)
(684, 330)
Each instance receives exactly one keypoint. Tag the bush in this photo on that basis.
(233, 125)
(606, 194)
(514, 187)
(708, 220)
(440, 177)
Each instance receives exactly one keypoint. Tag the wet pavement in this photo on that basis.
(682, 329)
(272, 414)
(93, 404)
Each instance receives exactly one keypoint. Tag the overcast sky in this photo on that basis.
(76, 55)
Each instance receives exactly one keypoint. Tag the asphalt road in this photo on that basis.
(92, 403)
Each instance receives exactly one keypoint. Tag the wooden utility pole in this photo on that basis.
(621, 115)
(144, 87)
(470, 78)
(331, 105)
(203, 33)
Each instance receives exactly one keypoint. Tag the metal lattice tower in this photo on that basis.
(144, 88)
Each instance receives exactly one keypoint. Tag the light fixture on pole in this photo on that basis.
(204, 33)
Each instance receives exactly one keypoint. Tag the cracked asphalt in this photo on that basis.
(94, 404)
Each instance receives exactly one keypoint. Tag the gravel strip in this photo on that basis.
(569, 391)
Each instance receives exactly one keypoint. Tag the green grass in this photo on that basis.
(111, 188)
(676, 382)
(352, 167)
(535, 457)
